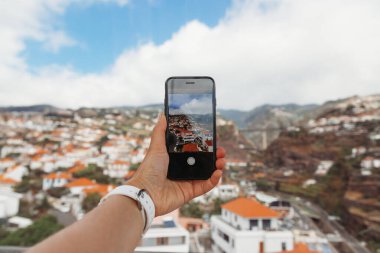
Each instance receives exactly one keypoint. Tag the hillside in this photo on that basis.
(344, 134)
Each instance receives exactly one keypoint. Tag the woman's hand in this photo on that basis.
(169, 195)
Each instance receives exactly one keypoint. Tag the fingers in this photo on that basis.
(220, 163)
(158, 137)
(220, 152)
(215, 177)
(202, 186)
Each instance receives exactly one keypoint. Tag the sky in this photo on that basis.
(103, 53)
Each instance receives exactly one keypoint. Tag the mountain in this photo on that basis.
(273, 118)
(31, 108)
(345, 134)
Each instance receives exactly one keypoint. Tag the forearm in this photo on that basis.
(115, 226)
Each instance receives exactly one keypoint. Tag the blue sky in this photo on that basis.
(102, 31)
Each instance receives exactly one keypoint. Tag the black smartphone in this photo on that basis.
(190, 106)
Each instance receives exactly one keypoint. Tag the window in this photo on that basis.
(235, 217)
(266, 224)
(283, 246)
(233, 243)
(223, 236)
(253, 224)
(162, 241)
(176, 240)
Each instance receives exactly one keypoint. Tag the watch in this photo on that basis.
(144, 202)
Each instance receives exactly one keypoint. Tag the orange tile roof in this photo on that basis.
(191, 147)
(58, 175)
(102, 189)
(120, 162)
(249, 208)
(80, 182)
(4, 180)
(300, 248)
(76, 168)
(6, 159)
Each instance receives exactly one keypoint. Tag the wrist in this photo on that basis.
(143, 201)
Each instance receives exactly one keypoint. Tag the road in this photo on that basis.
(347, 238)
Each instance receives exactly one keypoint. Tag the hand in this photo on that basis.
(169, 195)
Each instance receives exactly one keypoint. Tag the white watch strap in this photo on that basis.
(142, 198)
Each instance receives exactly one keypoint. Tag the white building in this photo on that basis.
(58, 179)
(117, 169)
(246, 226)
(16, 173)
(6, 162)
(165, 235)
(76, 187)
(324, 167)
(9, 203)
(19, 222)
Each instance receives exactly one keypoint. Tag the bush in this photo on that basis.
(38, 231)
(90, 201)
(93, 172)
(191, 209)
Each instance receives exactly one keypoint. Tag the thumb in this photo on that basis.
(158, 142)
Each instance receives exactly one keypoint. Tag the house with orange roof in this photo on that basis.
(77, 186)
(16, 173)
(76, 168)
(6, 183)
(6, 162)
(101, 189)
(56, 179)
(246, 225)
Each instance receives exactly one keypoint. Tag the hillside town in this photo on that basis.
(55, 165)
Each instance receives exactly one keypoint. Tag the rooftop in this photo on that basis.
(300, 248)
(81, 182)
(249, 208)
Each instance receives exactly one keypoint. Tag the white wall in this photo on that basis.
(244, 223)
(248, 241)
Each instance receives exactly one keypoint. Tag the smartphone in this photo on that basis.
(190, 106)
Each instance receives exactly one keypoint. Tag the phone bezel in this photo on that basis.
(192, 78)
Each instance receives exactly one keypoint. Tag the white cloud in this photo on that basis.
(57, 40)
(261, 52)
(195, 106)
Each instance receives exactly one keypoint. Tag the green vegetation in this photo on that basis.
(38, 231)
(263, 185)
(217, 209)
(90, 201)
(93, 172)
(134, 166)
(58, 192)
(191, 209)
(29, 183)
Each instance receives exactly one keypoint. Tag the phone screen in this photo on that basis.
(190, 112)
(190, 119)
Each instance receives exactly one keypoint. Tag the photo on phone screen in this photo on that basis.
(190, 122)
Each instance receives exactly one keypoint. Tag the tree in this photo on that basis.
(90, 201)
(191, 209)
(38, 231)
(95, 173)
(218, 202)
(58, 192)
(134, 166)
